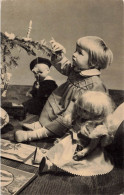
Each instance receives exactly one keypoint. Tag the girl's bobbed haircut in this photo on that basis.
(99, 104)
(100, 56)
(40, 60)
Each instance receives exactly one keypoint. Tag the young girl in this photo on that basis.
(79, 151)
(91, 55)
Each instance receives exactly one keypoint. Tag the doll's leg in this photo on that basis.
(22, 136)
(45, 165)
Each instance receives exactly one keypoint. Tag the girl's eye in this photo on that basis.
(80, 52)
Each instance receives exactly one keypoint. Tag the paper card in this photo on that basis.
(14, 180)
(16, 151)
(21, 152)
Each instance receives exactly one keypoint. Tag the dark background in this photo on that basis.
(66, 21)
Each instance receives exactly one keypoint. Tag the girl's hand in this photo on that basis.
(99, 131)
(106, 140)
(57, 47)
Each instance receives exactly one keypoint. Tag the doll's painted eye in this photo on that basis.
(39, 72)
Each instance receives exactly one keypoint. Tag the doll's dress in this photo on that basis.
(96, 162)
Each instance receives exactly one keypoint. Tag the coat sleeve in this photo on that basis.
(63, 66)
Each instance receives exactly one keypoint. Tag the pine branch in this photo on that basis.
(10, 42)
(30, 46)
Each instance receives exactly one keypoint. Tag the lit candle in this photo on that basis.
(29, 29)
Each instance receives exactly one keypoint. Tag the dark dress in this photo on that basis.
(40, 96)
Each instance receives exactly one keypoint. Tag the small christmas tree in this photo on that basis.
(9, 42)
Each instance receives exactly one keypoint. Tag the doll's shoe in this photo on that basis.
(46, 165)
(32, 126)
(42, 165)
(21, 136)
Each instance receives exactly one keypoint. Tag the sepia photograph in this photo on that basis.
(62, 97)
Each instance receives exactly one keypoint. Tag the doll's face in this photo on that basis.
(40, 71)
(80, 58)
(84, 113)
(81, 116)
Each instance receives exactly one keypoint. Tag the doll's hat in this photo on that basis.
(40, 60)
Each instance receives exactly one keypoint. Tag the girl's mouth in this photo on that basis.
(74, 62)
(73, 59)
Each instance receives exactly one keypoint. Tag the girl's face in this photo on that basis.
(80, 59)
(40, 71)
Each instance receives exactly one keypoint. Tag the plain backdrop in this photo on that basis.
(66, 21)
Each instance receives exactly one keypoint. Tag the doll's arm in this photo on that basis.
(59, 61)
(33, 92)
(28, 93)
(92, 145)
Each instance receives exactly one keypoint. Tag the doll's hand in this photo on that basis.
(37, 85)
(28, 94)
(57, 47)
(85, 131)
(80, 154)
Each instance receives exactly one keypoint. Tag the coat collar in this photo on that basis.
(90, 72)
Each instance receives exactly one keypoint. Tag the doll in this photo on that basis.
(80, 150)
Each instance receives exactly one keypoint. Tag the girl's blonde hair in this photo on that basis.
(100, 56)
(99, 104)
